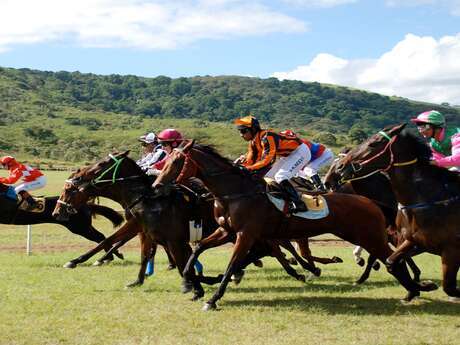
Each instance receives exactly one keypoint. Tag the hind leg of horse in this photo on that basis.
(171, 262)
(243, 244)
(305, 252)
(148, 250)
(401, 251)
(276, 252)
(414, 268)
(308, 265)
(450, 267)
(126, 231)
(370, 262)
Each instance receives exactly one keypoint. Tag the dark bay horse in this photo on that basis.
(429, 196)
(376, 187)
(242, 208)
(164, 217)
(79, 223)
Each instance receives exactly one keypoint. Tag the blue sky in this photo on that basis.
(408, 48)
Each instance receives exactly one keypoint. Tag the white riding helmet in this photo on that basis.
(149, 138)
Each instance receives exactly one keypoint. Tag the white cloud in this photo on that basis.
(145, 24)
(420, 68)
(452, 5)
(319, 3)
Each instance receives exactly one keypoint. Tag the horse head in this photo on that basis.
(82, 184)
(375, 154)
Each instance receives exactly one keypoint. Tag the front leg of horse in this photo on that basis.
(450, 267)
(217, 238)
(399, 254)
(370, 262)
(243, 243)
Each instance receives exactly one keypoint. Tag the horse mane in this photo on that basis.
(424, 154)
(211, 150)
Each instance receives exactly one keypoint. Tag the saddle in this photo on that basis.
(315, 202)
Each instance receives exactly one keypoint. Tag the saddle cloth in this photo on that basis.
(39, 206)
(196, 231)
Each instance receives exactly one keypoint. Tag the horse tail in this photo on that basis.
(107, 212)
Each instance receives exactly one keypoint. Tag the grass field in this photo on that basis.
(43, 303)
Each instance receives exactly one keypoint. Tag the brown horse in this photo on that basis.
(429, 196)
(163, 217)
(242, 208)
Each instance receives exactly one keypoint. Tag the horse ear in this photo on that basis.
(188, 146)
(397, 129)
(125, 153)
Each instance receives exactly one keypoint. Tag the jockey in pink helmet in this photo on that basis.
(32, 179)
(169, 139)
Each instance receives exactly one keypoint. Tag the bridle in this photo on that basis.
(358, 166)
(83, 185)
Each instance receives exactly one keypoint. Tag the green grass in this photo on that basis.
(42, 303)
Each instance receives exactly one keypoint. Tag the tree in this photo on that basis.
(357, 135)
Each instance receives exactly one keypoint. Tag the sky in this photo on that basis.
(407, 48)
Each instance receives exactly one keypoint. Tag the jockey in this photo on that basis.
(320, 157)
(153, 152)
(32, 179)
(169, 139)
(263, 149)
(444, 141)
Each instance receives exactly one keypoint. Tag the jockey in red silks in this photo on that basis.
(169, 139)
(444, 141)
(32, 179)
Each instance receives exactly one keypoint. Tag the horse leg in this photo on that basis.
(414, 268)
(171, 262)
(148, 249)
(310, 265)
(357, 254)
(217, 238)
(276, 252)
(399, 253)
(244, 242)
(370, 263)
(305, 252)
(129, 230)
(450, 265)
(103, 259)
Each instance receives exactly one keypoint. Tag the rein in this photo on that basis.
(358, 166)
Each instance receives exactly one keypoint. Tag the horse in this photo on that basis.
(376, 187)
(428, 196)
(243, 208)
(164, 217)
(79, 223)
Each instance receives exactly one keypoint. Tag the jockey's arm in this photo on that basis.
(268, 156)
(15, 175)
(454, 159)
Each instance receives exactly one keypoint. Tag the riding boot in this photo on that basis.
(318, 183)
(298, 204)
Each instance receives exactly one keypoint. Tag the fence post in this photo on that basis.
(29, 240)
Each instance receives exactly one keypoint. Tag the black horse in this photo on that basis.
(79, 223)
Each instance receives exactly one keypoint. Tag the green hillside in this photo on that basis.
(73, 118)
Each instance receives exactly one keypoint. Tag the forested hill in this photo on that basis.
(75, 117)
(321, 107)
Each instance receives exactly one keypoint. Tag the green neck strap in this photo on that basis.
(115, 166)
(383, 134)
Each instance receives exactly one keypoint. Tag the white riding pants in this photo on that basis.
(33, 185)
(287, 167)
(314, 166)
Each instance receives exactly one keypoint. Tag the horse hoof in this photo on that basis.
(197, 296)
(209, 306)
(98, 263)
(361, 262)
(317, 272)
(170, 267)
(70, 264)
(119, 255)
(258, 263)
(302, 278)
(133, 284)
(237, 277)
(410, 296)
(337, 260)
(454, 299)
(376, 266)
(186, 287)
(428, 285)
